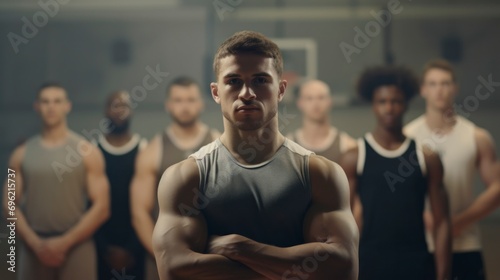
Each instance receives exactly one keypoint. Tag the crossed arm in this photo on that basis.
(184, 251)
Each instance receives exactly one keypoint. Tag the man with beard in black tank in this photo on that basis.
(117, 244)
(392, 175)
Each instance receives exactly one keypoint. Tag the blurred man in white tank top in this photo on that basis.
(464, 149)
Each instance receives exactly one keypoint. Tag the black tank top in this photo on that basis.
(119, 170)
(392, 190)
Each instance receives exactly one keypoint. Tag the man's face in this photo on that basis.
(315, 101)
(119, 112)
(185, 104)
(389, 106)
(53, 106)
(438, 89)
(248, 89)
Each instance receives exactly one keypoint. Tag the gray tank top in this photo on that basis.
(266, 202)
(332, 152)
(54, 196)
(171, 154)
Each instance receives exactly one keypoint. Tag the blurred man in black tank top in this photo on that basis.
(392, 175)
(315, 102)
(117, 244)
(185, 135)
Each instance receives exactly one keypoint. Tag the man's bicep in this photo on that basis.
(97, 182)
(143, 185)
(330, 218)
(487, 158)
(180, 223)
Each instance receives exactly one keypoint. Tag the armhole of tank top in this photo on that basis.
(306, 173)
(421, 158)
(160, 150)
(143, 144)
(361, 156)
(200, 174)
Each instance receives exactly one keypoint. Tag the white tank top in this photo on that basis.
(458, 152)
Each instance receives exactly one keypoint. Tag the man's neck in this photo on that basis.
(186, 132)
(54, 135)
(118, 140)
(390, 139)
(254, 146)
(442, 120)
(313, 130)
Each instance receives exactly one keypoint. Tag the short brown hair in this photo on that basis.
(441, 64)
(249, 42)
(183, 81)
(47, 85)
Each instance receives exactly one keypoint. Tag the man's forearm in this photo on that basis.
(205, 267)
(442, 237)
(144, 226)
(484, 204)
(87, 225)
(311, 260)
(28, 235)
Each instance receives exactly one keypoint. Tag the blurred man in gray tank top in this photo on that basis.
(315, 102)
(253, 204)
(185, 135)
(58, 172)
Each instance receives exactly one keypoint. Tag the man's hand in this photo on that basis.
(458, 226)
(118, 258)
(227, 245)
(52, 251)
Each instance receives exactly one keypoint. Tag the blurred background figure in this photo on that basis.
(317, 134)
(392, 177)
(58, 172)
(464, 149)
(185, 135)
(118, 247)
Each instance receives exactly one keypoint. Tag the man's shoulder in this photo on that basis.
(293, 147)
(414, 126)
(206, 150)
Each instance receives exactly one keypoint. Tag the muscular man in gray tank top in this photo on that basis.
(252, 204)
(57, 174)
(185, 135)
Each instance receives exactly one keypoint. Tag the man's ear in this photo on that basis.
(214, 89)
(282, 89)
(36, 106)
(165, 105)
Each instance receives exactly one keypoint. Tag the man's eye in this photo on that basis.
(260, 80)
(233, 81)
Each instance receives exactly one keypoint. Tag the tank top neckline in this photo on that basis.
(121, 150)
(385, 152)
(250, 166)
